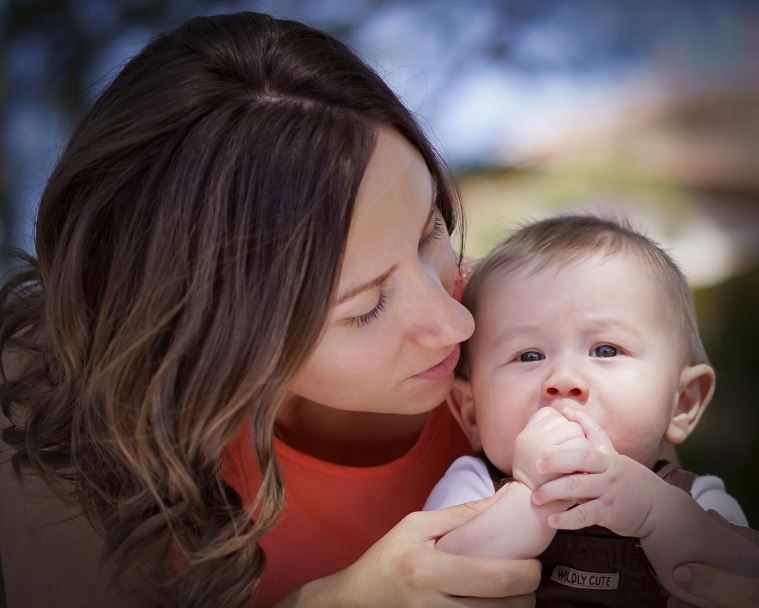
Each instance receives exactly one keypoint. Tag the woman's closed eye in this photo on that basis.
(368, 317)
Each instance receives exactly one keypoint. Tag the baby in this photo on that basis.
(585, 365)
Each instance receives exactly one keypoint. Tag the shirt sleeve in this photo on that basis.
(709, 493)
(465, 480)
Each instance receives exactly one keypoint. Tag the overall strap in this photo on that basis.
(498, 478)
(674, 475)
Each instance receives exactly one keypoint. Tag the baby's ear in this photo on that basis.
(694, 394)
(461, 404)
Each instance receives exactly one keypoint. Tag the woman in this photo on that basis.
(231, 347)
(243, 266)
(716, 589)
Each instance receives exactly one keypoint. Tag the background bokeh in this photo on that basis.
(647, 110)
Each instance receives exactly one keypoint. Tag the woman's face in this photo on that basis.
(391, 339)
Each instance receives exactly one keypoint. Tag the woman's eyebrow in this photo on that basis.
(375, 282)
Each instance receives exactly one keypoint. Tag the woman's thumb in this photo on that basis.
(441, 521)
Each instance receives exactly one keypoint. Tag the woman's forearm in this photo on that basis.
(324, 592)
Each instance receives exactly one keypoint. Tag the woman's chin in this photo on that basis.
(427, 395)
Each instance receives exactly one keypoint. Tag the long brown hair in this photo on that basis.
(187, 246)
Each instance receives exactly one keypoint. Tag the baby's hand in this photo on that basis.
(614, 491)
(546, 432)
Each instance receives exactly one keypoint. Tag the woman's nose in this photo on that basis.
(437, 319)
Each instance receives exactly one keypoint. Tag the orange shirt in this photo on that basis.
(334, 513)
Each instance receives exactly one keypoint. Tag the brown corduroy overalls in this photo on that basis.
(595, 567)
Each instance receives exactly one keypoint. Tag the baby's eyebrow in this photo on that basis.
(616, 322)
(512, 330)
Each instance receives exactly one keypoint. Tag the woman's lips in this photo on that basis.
(442, 369)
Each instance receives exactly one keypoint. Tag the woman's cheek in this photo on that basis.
(363, 354)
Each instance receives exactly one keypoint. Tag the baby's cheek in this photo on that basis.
(499, 447)
(642, 447)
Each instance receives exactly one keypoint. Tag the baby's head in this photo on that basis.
(581, 311)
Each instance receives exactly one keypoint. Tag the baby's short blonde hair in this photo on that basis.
(568, 238)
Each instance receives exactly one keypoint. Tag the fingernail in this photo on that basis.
(540, 465)
(682, 574)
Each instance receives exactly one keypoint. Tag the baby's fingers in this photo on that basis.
(582, 516)
(544, 416)
(576, 443)
(593, 431)
(569, 487)
(565, 462)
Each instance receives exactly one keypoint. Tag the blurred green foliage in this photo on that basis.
(726, 442)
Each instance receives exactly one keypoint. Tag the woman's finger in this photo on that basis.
(522, 601)
(565, 462)
(404, 567)
(431, 525)
(722, 589)
(593, 431)
(569, 487)
(483, 577)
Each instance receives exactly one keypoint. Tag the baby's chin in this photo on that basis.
(503, 465)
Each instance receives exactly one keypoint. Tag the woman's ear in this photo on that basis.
(694, 394)
(461, 403)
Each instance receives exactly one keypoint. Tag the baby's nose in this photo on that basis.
(565, 384)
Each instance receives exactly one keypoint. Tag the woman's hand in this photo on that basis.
(717, 588)
(405, 569)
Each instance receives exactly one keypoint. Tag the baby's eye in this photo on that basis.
(604, 350)
(530, 355)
